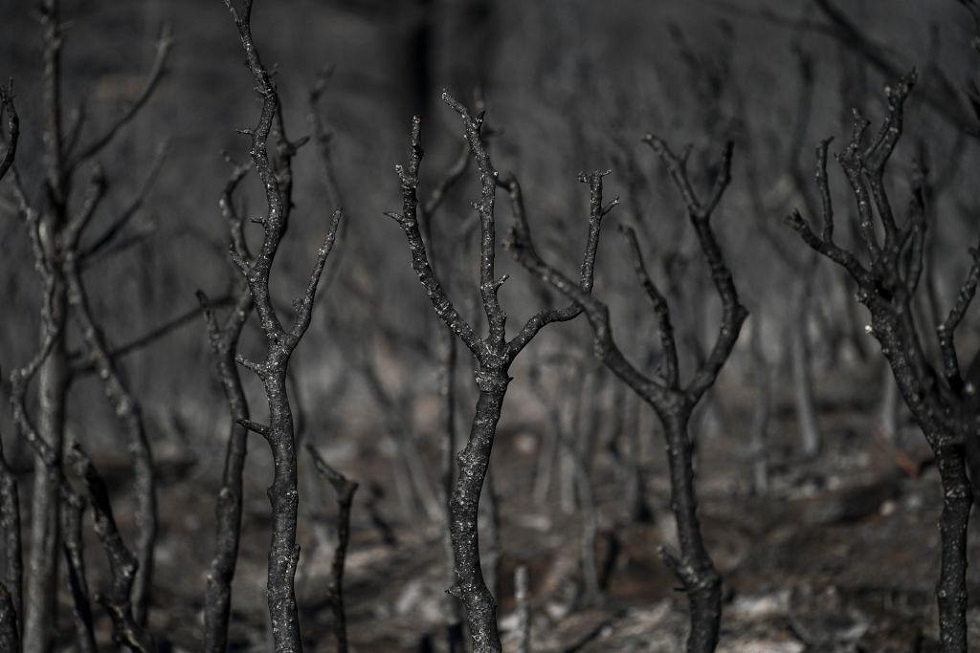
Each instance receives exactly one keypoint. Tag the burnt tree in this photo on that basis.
(673, 400)
(58, 218)
(493, 355)
(887, 274)
(273, 165)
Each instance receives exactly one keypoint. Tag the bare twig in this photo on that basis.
(223, 338)
(126, 629)
(9, 635)
(154, 76)
(74, 508)
(109, 238)
(129, 414)
(13, 565)
(13, 128)
(345, 490)
(81, 365)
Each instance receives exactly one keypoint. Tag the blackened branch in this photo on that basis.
(496, 318)
(223, 336)
(157, 71)
(304, 306)
(661, 309)
(519, 235)
(128, 412)
(110, 236)
(73, 510)
(408, 219)
(9, 633)
(915, 234)
(345, 490)
(19, 379)
(97, 186)
(13, 569)
(13, 128)
(123, 564)
(824, 243)
(597, 313)
(82, 364)
(456, 171)
(947, 330)
(274, 223)
(700, 212)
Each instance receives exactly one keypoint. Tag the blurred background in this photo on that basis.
(568, 86)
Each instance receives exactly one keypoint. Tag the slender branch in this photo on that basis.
(90, 203)
(84, 365)
(489, 285)
(449, 179)
(126, 629)
(223, 338)
(19, 380)
(274, 223)
(733, 313)
(946, 331)
(74, 508)
(304, 306)
(13, 561)
(9, 635)
(408, 220)
(345, 490)
(660, 308)
(13, 128)
(520, 231)
(110, 236)
(158, 69)
(129, 414)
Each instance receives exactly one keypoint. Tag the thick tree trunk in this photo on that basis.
(284, 497)
(473, 461)
(951, 591)
(694, 567)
